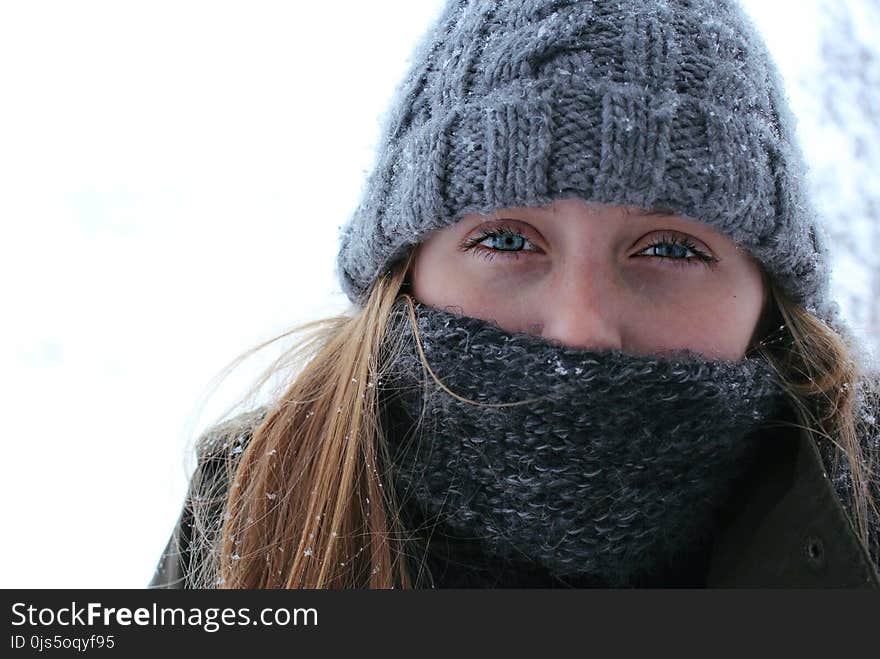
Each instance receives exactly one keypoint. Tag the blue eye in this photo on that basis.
(501, 241)
(506, 241)
(679, 250)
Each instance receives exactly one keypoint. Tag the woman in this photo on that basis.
(591, 341)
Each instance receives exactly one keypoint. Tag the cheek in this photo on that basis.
(438, 279)
(427, 275)
(717, 321)
(476, 288)
(745, 301)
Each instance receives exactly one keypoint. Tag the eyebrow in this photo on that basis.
(655, 211)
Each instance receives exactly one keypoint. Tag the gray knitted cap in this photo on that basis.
(671, 104)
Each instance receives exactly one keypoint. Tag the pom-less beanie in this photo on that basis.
(672, 104)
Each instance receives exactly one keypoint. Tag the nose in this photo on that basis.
(581, 311)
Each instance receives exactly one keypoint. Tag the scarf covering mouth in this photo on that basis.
(618, 468)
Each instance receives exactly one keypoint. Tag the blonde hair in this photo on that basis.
(304, 504)
(835, 397)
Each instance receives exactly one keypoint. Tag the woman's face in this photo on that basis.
(595, 276)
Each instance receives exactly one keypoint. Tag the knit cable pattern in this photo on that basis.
(673, 104)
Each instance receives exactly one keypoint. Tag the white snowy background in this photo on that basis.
(172, 179)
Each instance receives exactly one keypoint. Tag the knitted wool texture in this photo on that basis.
(615, 471)
(672, 104)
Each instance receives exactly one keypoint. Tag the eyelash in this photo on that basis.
(473, 244)
(488, 253)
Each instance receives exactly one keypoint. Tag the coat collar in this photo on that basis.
(788, 527)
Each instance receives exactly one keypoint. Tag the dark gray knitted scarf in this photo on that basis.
(616, 469)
